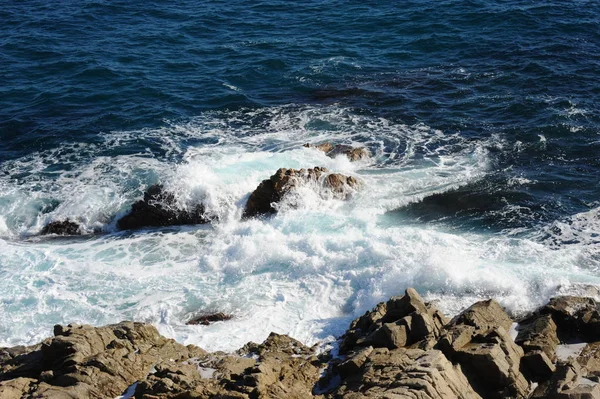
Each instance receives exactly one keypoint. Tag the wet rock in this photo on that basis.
(159, 209)
(272, 190)
(206, 319)
(62, 228)
(353, 153)
(406, 373)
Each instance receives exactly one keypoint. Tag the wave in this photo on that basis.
(307, 271)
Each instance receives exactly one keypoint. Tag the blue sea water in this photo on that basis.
(482, 118)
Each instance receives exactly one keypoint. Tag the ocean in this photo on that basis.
(482, 118)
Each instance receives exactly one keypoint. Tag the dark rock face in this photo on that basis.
(272, 190)
(575, 317)
(353, 153)
(62, 228)
(158, 209)
(206, 319)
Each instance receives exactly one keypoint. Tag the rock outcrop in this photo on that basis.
(353, 153)
(85, 362)
(403, 348)
(159, 209)
(61, 228)
(272, 190)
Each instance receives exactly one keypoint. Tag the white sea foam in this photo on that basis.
(306, 271)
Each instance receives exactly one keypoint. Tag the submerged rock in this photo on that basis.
(206, 319)
(353, 153)
(159, 209)
(62, 228)
(272, 190)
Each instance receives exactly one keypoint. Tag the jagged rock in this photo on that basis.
(272, 190)
(478, 339)
(484, 315)
(590, 359)
(16, 388)
(206, 319)
(159, 209)
(538, 333)
(354, 361)
(568, 382)
(87, 362)
(538, 337)
(575, 317)
(406, 373)
(353, 153)
(536, 366)
(62, 228)
(401, 321)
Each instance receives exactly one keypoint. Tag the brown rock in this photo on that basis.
(16, 388)
(538, 333)
(568, 382)
(87, 362)
(353, 153)
(484, 315)
(478, 339)
(589, 358)
(272, 190)
(406, 373)
(575, 317)
(402, 321)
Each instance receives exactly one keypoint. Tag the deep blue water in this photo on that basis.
(485, 115)
(73, 70)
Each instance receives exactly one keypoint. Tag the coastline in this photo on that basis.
(403, 348)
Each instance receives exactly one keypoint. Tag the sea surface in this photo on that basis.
(482, 118)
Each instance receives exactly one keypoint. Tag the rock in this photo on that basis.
(401, 321)
(538, 333)
(61, 228)
(406, 373)
(272, 190)
(478, 340)
(353, 153)
(536, 366)
(206, 319)
(87, 362)
(575, 317)
(159, 209)
(568, 382)
(590, 359)
(354, 362)
(484, 315)
(16, 388)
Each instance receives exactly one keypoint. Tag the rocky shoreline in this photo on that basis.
(403, 348)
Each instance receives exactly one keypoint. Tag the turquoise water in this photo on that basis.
(482, 120)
